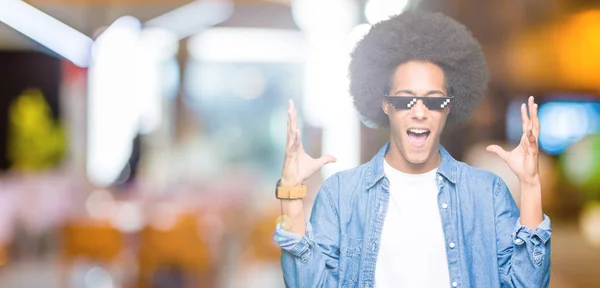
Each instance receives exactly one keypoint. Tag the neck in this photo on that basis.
(395, 159)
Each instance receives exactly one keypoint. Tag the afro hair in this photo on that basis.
(417, 36)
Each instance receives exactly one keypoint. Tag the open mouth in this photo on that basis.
(418, 136)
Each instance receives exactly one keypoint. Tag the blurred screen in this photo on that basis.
(234, 102)
(564, 120)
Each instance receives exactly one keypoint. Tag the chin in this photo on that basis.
(417, 157)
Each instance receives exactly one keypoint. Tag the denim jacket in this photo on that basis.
(486, 246)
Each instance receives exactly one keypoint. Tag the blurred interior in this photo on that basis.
(140, 140)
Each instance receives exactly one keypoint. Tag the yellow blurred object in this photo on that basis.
(97, 241)
(177, 246)
(563, 55)
(578, 45)
(3, 257)
(35, 141)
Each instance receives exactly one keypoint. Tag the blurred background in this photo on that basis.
(140, 140)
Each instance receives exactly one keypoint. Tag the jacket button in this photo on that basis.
(454, 284)
(444, 205)
(452, 245)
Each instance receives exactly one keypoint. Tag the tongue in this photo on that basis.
(417, 139)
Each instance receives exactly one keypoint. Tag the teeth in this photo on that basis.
(418, 131)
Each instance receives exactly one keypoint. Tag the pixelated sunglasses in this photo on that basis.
(407, 102)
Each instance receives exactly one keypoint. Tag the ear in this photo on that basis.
(447, 110)
(385, 105)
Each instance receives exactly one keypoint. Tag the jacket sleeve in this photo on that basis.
(523, 253)
(312, 260)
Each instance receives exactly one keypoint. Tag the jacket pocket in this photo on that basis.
(350, 250)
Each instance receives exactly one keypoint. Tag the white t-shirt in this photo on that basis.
(412, 252)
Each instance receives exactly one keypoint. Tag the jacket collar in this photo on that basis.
(375, 173)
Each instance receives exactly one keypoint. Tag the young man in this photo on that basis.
(413, 216)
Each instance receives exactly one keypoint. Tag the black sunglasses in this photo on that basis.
(407, 102)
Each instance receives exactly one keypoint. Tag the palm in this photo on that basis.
(523, 160)
(298, 165)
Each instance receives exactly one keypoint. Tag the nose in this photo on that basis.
(419, 110)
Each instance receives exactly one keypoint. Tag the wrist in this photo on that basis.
(289, 183)
(530, 182)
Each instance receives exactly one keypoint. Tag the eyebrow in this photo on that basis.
(430, 92)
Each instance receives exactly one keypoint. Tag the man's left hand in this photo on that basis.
(523, 160)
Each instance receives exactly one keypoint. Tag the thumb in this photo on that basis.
(498, 151)
(326, 160)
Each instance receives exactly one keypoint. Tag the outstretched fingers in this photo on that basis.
(291, 137)
(524, 118)
(293, 133)
(531, 127)
(535, 122)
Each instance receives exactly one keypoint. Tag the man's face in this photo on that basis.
(416, 131)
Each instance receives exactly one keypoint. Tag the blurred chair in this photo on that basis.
(3, 255)
(178, 248)
(98, 242)
(262, 246)
(260, 266)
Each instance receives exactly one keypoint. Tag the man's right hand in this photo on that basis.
(298, 165)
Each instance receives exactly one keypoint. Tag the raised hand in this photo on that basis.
(298, 165)
(523, 160)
